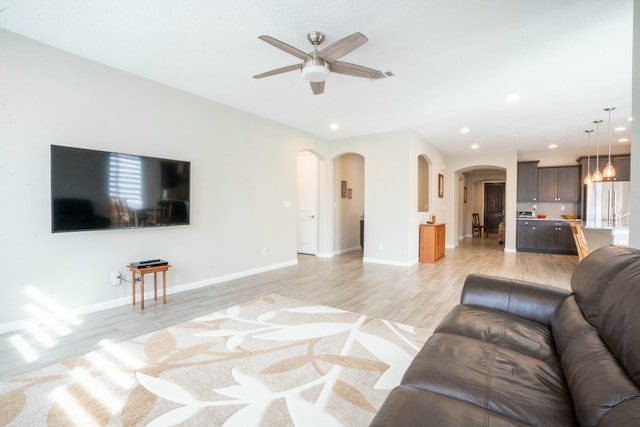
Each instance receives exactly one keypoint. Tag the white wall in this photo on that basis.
(243, 170)
(634, 224)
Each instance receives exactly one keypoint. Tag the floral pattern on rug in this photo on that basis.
(274, 361)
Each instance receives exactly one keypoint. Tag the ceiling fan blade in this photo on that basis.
(355, 70)
(285, 47)
(342, 47)
(278, 71)
(317, 87)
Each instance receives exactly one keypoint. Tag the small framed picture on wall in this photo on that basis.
(440, 185)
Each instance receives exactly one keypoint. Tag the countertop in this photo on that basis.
(548, 219)
(584, 224)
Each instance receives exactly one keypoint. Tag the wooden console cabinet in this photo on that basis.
(431, 242)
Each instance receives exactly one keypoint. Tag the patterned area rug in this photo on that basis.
(269, 362)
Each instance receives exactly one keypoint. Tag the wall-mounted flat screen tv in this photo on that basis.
(93, 190)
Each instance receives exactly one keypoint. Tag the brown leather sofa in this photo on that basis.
(516, 353)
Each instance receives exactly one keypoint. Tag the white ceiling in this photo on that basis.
(455, 61)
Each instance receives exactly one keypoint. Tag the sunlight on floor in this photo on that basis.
(113, 371)
(48, 321)
(70, 405)
(123, 356)
(107, 373)
(26, 350)
(97, 390)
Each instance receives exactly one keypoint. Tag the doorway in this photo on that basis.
(307, 213)
(348, 202)
(494, 202)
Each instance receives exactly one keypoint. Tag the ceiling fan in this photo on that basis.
(317, 65)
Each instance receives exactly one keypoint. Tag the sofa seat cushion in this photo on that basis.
(408, 406)
(503, 329)
(494, 378)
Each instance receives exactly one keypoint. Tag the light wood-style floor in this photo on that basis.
(419, 295)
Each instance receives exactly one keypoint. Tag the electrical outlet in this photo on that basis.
(115, 278)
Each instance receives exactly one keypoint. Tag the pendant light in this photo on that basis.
(587, 177)
(609, 172)
(597, 175)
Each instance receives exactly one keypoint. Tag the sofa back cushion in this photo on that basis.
(595, 274)
(620, 319)
(595, 377)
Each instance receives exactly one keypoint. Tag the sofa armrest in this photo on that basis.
(528, 300)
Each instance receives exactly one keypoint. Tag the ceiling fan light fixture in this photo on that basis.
(315, 70)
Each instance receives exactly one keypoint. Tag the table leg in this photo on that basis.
(133, 288)
(142, 291)
(155, 286)
(164, 287)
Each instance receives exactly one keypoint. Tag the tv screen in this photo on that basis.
(93, 189)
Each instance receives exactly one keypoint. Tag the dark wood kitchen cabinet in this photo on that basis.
(555, 237)
(527, 181)
(622, 164)
(526, 235)
(545, 236)
(559, 184)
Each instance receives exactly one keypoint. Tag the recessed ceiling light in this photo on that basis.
(334, 127)
(620, 129)
(552, 146)
(464, 130)
(475, 146)
(630, 119)
(513, 98)
(623, 140)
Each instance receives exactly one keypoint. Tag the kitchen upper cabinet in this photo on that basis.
(560, 184)
(528, 181)
(622, 164)
(569, 184)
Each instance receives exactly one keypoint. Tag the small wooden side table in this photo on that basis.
(146, 270)
(432, 239)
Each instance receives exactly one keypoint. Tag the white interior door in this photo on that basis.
(307, 203)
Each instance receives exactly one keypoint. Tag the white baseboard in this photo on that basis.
(118, 302)
(324, 255)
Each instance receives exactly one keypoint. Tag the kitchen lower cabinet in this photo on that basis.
(553, 237)
(526, 235)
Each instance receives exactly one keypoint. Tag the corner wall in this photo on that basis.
(390, 205)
